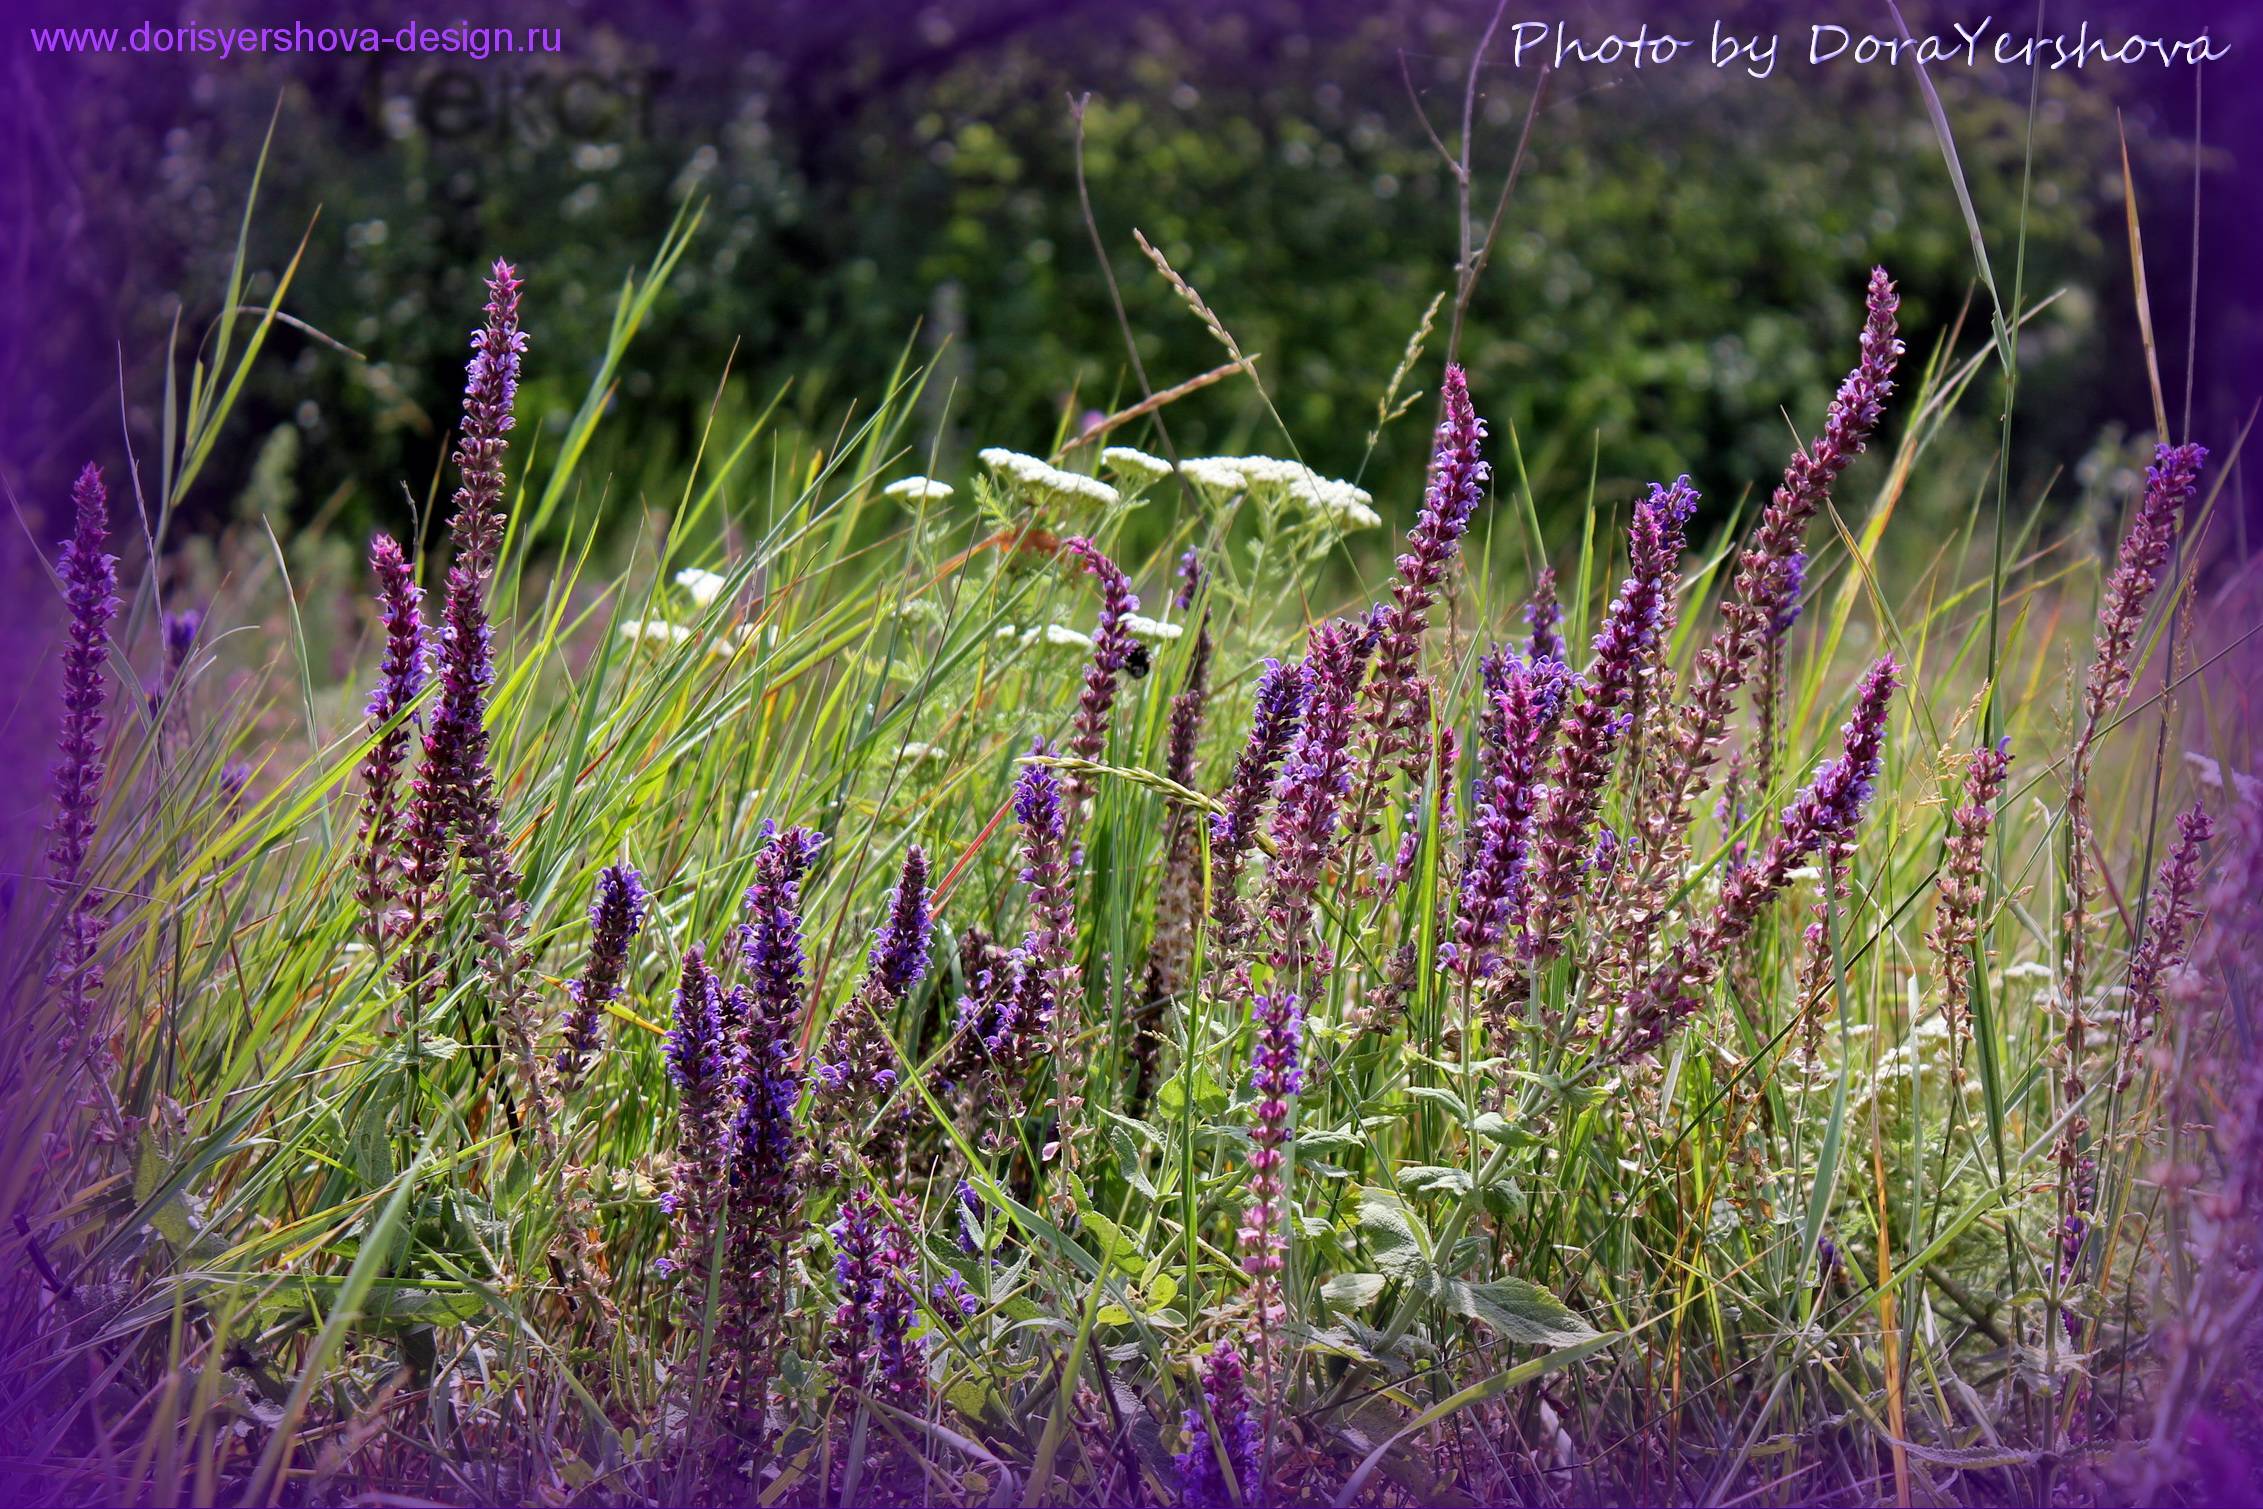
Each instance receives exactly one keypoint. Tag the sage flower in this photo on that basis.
(1274, 1079)
(870, 1337)
(1233, 830)
(614, 918)
(400, 679)
(1596, 722)
(89, 574)
(1223, 1435)
(1315, 777)
(2170, 485)
(1823, 814)
(1963, 891)
(1111, 648)
(698, 1061)
(2169, 917)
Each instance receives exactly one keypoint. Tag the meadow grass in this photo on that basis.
(1769, 1158)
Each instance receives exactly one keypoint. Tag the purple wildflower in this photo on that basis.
(1223, 1430)
(1314, 779)
(1963, 890)
(400, 678)
(1593, 727)
(1544, 616)
(2170, 914)
(1274, 1077)
(1493, 877)
(89, 576)
(1821, 817)
(1112, 646)
(1190, 580)
(871, 1332)
(955, 1303)
(2170, 484)
(899, 950)
(1760, 605)
(177, 634)
(614, 918)
(698, 1059)
(1233, 831)
(454, 789)
(1396, 707)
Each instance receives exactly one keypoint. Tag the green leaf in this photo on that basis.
(1353, 1291)
(1394, 1235)
(1520, 1311)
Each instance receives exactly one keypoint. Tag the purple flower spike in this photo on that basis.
(1233, 831)
(1239, 1439)
(1310, 793)
(1275, 1078)
(89, 576)
(1520, 724)
(1624, 648)
(400, 678)
(614, 918)
(871, 1342)
(1397, 706)
(1823, 816)
(1112, 646)
(1190, 580)
(697, 1058)
(2171, 483)
(1544, 616)
(90, 588)
(899, 952)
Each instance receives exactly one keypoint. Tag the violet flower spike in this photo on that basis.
(1822, 816)
(1493, 877)
(400, 679)
(2171, 483)
(899, 951)
(614, 919)
(89, 575)
(1238, 1441)
(1112, 647)
(697, 1059)
(1190, 580)
(1233, 830)
(1396, 710)
(1275, 1078)
(872, 1323)
(1309, 795)
(2170, 914)
(1594, 726)
(1544, 616)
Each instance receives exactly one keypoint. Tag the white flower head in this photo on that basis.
(914, 492)
(1140, 626)
(653, 631)
(1134, 466)
(1044, 482)
(702, 586)
(919, 753)
(1215, 477)
(1056, 636)
(1340, 503)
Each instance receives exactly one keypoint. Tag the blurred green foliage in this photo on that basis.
(1679, 270)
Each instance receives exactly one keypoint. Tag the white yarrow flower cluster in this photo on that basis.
(702, 586)
(1046, 481)
(1140, 626)
(653, 631)
(1135, 466)
(1341, 503)
(912, 492)
(1216, 477)
(1056, 636)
